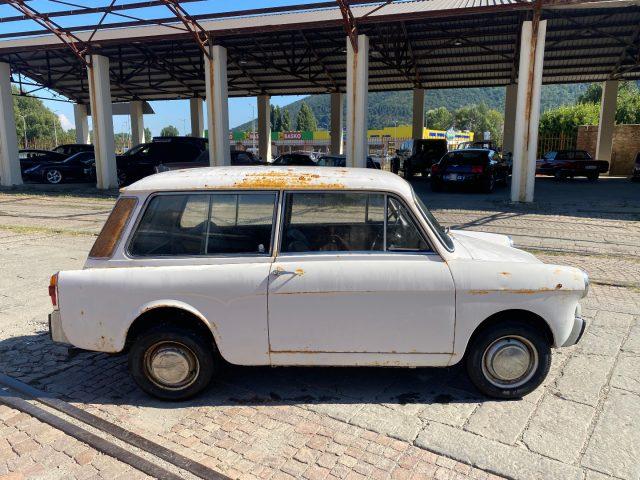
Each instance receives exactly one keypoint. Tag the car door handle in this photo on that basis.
(281, 271)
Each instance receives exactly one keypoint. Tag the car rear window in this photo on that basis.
(466, 158)
(106, 242)
(205, 224)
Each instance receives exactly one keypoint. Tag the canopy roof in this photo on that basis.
(422, 43)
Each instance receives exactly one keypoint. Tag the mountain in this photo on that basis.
(385, 108)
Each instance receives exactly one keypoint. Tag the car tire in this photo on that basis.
(489, 184)
(192, 355)
(593, 176)
(558, 175)
(407, 171)
(53, 176)
(496, 357)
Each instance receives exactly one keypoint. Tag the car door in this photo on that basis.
(355, 275)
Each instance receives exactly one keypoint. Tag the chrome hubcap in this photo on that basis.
(171, 365)
(510, 362)
(53, 176)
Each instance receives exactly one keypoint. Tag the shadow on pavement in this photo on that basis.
(98, 378)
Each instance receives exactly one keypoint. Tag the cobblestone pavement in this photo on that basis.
(367, 423)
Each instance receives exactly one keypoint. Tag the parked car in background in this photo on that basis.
(238, 158)
(142, 160)
(481, 168)
(30, 157)
(571, 163)
(73, 148)
(635, 176)
(341, 161)
(424, 153)
(300, 159)
(490, 144)
(215, 285)
(80, 167)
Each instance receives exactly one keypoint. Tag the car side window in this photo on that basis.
(329, 222)
(402, 232)
(203, 224)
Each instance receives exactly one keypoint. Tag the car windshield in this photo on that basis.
(466, 157)
(134, 150)
(439, 230)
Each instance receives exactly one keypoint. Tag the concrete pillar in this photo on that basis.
(336, 123)
(527, 112)
(10, 173)
(137, 122)
(215, 76)
(417, 130)
(102, 116)
(357, 92)
(607, 120)
(197, 117)
(264, 127)
(82, 123)
(510, 102)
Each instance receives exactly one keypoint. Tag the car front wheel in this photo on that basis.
(172, 363)
(53, 176)
(508, 360)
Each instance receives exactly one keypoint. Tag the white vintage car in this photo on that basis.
(308, 266)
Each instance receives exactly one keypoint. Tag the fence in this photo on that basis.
(549, 143)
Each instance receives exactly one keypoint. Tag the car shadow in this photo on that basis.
(97, 378)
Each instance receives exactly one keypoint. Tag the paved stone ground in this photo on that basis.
(369, 423)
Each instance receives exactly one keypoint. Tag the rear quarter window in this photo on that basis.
(111, 232)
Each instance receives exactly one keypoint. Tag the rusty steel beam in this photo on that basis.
(199, 34)
(349, 23)
(79, 48)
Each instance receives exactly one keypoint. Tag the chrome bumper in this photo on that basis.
(55, 328)
(579, 324)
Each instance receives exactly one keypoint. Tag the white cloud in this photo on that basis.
(65, 122)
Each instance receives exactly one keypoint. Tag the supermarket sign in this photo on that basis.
(293, 135)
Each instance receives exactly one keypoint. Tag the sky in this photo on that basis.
(175, 112)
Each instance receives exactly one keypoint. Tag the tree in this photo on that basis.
(286, 120)
(439, 119)
(277, 125)
(306, 120)
(479, 119)
(42, 125)
(169, 131)
(147, 135)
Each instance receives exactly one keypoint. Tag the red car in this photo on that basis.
(571, 163)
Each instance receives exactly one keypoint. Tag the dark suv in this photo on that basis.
(424, 154)
(142, 160)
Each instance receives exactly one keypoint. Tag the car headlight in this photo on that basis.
(585, 277)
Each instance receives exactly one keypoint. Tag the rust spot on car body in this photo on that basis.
(285, 179)
(505, 274)
(479, 292)
(299, 272)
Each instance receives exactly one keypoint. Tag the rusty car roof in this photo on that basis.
(271, 178)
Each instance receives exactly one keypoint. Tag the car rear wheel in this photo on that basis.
(593, 176)
(508, 360)
(53, 176)
(172, 363)
(489, 184)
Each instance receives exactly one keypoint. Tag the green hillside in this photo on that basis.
(387, 107)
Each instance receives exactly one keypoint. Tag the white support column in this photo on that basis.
(417, 130)
(197, 117)
(264, 128)
(10, 173)
(510, 102)
(137, 122)
(357, 92)
(336, 123)
(102, 117)
(82, 123)
(527, 112)
(607, 120)
(215, 76)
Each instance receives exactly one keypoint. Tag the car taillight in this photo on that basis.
(435, 168)
(477, 169)
(53, 289)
